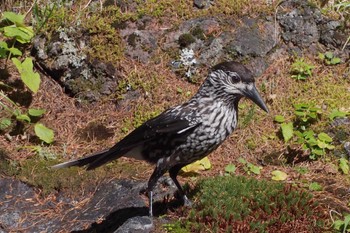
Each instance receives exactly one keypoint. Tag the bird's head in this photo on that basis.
(233, 80)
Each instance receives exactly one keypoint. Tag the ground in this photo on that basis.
(149, 85)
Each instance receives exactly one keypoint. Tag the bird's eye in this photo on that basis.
(234, 77)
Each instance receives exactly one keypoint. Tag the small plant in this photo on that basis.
(14, 30)
(337, 113)
(301, 70)
(230, 169)
(299, 130)
(342, 225)
(329, 59)
(344, 166)
(249, 167)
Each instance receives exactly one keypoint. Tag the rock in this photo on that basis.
(141, 38)
(340, 121)
(64, 59)
(116, 206)
(202, 4)
(254, 38)
(136, 225)
(299, 23)
(347, 148)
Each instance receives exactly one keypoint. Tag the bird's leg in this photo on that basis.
(173, 174)
(157, 173)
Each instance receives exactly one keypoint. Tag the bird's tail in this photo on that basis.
(83, 161)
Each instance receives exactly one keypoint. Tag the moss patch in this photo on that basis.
(240, 204)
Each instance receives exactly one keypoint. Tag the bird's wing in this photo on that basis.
(164, 125)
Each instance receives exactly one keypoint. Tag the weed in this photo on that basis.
(249, 167)
(329, 59)
(342, 225)
(305, 116)
(15, 31)
(301, 70)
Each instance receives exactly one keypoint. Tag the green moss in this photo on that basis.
(198, 32)
(132, 39)
(186, 39)
(226, 204)
(7, 166)
(102, 34)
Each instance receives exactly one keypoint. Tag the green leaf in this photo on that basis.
(255, 169)
(321, 144)
(230, 169)
(337, 224)
(15, 51)
(346, 222)
(335, 60)
(44, 133)
(241, 160)
(328, 55)
(336, 113)
(279, 118)
(23, 35)
(4, 123)
(23, 117)
(344, 166)
(278, 175)
(324, 137)
(14, 18)
(30, 78)
(314, 186)
(36, 112)
(321, 56)
(4, 45)
(287, 131)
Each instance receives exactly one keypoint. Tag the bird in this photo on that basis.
(187, 132)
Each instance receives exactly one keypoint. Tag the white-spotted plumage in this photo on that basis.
(187, 132)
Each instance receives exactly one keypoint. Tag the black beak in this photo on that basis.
(254, 95)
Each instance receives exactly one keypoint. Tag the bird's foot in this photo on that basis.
(187, 201)
(150, 208)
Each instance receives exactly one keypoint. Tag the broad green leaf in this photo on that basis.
(279, 118)
(30, 78)
(44, 133)
(15, 51)
(346, 222)
(321, 144)
(22, 34)
(324, 137)
(241, 160)
(36, 112)
(278, 175)
(321, 56)
(337, 224)
(230, 169)
(200, 165)
(336, 113)
(335, 60)
(314, 186)
(330, 147)
(328, 55)
(287, 131)
(23, 117)
(317, 151)
(344, 165)
(4, 123)
(255, 169)
(4, 45)
(14, 18)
